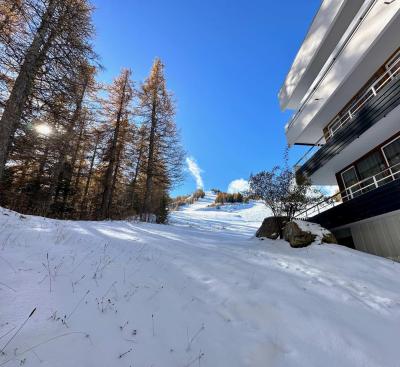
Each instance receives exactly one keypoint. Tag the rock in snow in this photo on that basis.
(302, 234)
(298, 233)
(296, 236)
(322, 235)
(200, 292)
(271, 227)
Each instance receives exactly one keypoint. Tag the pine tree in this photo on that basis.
(65, 152)
(117, 112)
(162, 212)
(84, 212)
(71, 137)
(138, 162)
(62, 29)
(165, 155)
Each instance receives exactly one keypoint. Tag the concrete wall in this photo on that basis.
(369, 47)
(378, 235)
(326, 30)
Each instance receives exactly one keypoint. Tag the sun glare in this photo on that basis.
(43, 129)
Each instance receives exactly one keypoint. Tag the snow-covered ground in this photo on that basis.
(200, 292)
(241, 219)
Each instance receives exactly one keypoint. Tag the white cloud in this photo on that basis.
(195, 170)
(239, 185)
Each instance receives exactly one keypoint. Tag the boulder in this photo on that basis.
(323, 235)
(296, 236)
(329, 238)
(271, 227)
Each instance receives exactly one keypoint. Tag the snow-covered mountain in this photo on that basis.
(199, 292)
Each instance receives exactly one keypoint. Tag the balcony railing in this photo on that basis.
(392, 70)
(384, 177)
(349, 114)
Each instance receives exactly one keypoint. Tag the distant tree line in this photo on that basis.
(223, 197)
(71, 147)
(181, 200)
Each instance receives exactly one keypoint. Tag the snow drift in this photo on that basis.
(200, 292)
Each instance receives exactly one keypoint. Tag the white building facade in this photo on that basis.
(344, 89)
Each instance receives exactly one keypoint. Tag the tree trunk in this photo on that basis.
(65, 146)
(107, 193)
(67, 190)
(38, 179)
(76, 184)
(135, 176)
(84, 199)
(150, 160)
(114, 180)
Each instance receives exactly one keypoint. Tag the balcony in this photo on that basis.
(392, 70)
(376, 102)
(376, 195)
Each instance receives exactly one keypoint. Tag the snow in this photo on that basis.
(242, 219)
(199, 292)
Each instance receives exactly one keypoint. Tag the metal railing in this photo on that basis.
(344, 117)
(380, 179)
(314, 148)
(392, 72)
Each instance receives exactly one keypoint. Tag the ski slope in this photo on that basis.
(242, 219)
(199, 292)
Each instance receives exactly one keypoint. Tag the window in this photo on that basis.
(378, 168)
(392, 156)
(370, 166)
(350, 179)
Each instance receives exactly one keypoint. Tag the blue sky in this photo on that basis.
(225, 62)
